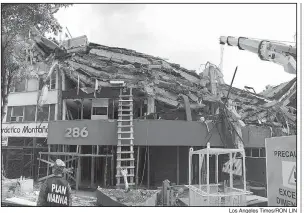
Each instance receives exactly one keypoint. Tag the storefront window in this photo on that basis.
(262, 152)
(15, 141)
(255, 152)
(248, 152)
(29, 113)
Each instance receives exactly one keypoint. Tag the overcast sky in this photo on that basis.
(189, 34)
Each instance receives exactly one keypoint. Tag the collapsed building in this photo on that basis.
(172, 110)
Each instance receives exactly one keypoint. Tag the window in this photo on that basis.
(20, 86)
(248, 152)
(29, 113)
(262, 152)
(9, 113)
(17, 114)
(46, 113)
(43, 113)
(51, 82)
(52, 112)
(12, 88)
(32, 85)
(100, 110)
(26, 85)
(255, 152)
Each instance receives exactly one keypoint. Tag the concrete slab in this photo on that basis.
(252, 200)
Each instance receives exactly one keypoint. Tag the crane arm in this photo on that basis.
(278, 53)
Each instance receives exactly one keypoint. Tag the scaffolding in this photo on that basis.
(72, 160)
(216, 194)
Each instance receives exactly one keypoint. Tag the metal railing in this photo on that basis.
(217, 196)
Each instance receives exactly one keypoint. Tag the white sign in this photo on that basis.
(39, 130)
(236, 167)
(289, 174)
(76, 132)
(4, 141)
(281, 158)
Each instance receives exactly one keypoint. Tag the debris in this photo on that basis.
(133, 197)
(11, 189)
(166, 81)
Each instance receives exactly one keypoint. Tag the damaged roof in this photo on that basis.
(163, 80)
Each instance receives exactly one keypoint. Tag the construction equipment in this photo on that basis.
(206, 193)
(276, 52)
(125, 152)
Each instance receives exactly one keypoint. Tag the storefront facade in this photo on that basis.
(164, 145)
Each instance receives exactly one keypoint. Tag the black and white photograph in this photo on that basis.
(135, 104)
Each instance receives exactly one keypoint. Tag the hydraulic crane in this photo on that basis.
(278, 53)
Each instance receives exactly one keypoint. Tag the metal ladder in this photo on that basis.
(125, 151)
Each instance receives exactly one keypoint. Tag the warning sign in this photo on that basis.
(236, 167)
(289, 172)
(281, 170)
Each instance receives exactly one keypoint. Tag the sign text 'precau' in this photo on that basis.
(281, 171)
(285, 154)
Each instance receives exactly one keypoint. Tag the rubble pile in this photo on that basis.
(131, 198)
(9, 187)
(83, 201)
(166, 82)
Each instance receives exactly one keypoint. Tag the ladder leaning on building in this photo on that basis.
(125, 151)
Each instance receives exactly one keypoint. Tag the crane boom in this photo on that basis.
(278, 53)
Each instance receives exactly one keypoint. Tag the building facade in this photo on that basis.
(161, 145)
(25, 126)
(80, 120)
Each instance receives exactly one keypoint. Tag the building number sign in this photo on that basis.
(76, 132)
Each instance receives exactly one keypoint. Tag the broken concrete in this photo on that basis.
(166, 81)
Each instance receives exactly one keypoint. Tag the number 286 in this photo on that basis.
(76, 132)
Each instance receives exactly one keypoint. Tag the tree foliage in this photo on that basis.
(17, 20)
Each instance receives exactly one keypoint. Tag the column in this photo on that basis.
(151, 105)
(230, 170)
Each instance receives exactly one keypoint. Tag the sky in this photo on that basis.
(188, 34)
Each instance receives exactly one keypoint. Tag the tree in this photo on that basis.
(17, 20)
